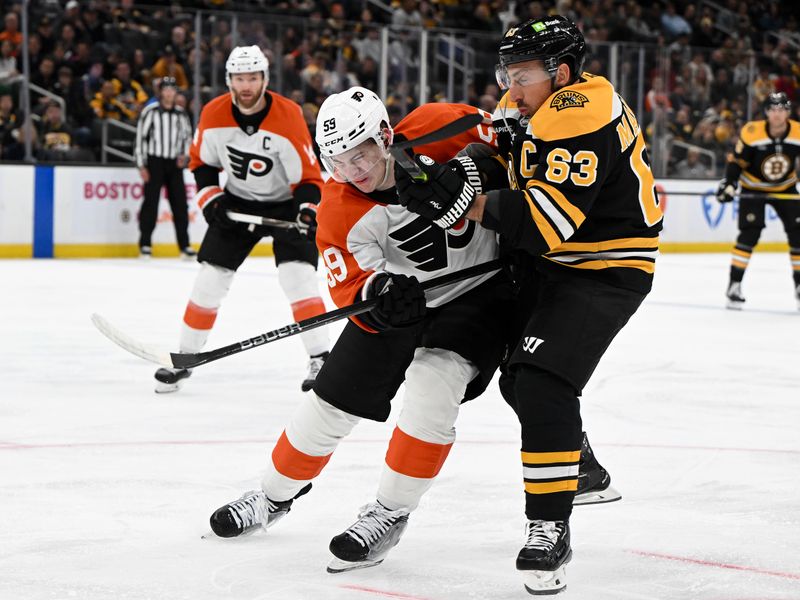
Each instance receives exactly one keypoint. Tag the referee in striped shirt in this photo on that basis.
(163, 137)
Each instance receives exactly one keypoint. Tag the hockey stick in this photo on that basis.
(256, 220)
(398, 150)
(746, 195)
(188, 360)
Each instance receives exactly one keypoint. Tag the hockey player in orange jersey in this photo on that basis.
(259, 139)
(445, 344)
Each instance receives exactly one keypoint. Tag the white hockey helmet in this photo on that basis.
(347, 119)
(246, 59)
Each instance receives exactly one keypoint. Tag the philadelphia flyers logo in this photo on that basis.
(244, 163)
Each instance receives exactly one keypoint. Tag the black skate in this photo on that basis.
(314, 365)
(797, 296)
(248, 513)
(734, 294)
(594, 482)
(367, 541)
(171, 380)
(544, 556)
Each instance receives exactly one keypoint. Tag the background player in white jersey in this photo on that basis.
(446, 352)
(261, 142)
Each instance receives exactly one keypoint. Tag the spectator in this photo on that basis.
(46, 35)
(44, 78)
(35, 52)
(55, 136)
(106, 105)
(407, 15)
(72, 93)
(8, 119)
(692, 167)
(14, 148)
(128, 91)
(11, 31)
(168, 66)
(8, 64)
(674, 24)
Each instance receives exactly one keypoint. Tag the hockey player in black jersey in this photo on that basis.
(765, 163)
(582, 213)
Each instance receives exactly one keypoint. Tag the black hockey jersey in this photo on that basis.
(582, 194)
(762, 163)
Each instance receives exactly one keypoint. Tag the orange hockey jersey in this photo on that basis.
(361, 234)
(265, 164)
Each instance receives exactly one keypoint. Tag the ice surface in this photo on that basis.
(106, 488)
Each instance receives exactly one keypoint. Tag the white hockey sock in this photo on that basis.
(210, 288)
(435, 384)
(305, 447)
(299, 283)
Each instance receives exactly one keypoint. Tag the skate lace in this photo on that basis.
(543, 535)
(249, 509)
(374, 520)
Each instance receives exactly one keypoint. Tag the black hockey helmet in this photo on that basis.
(779, 99)
(552, 40)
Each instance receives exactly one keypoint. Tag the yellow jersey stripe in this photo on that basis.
(542, 224)
(644, 265)
(608, 245)
(543, 458)
(569, 485)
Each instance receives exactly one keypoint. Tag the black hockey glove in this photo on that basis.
(444, 198)
(726, 191)
(401, 301)
(307, 220)
(212, 200)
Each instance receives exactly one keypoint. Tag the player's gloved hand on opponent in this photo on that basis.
(446, 196)
(211, 199)
(307, 220)
(726, 191)
(401, 301)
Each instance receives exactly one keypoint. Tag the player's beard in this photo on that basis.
(240, 102)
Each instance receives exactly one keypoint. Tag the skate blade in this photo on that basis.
(597, 497)
(342, 566)
(734, 305)
(167, 388)
(545, 583)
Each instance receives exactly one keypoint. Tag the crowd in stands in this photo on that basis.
(708, 64)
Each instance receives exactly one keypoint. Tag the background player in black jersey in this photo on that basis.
(765, 163)
(583, 215)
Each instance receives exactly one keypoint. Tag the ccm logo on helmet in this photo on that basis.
(244, 163)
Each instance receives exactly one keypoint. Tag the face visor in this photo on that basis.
(356, 164)
(521, 74)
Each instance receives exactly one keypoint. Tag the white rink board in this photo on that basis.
(16, 204)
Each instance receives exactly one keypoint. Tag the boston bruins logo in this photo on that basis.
(568, 99)
(775, 167)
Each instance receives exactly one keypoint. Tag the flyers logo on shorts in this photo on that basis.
(568, 99)
(244, 163)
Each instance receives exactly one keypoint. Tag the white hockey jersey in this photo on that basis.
(358, 235)
(265, 164)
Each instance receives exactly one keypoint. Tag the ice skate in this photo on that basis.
(188, 253)
(734, 294)
(171, 380)
(248, 513)
(367, 541)
(797, 296)
(145, 252)
(594, 482)
(544, 556)
(314, 365)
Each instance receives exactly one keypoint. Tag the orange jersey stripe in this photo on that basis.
(292, 463)
(410, 456)
(198, 317)
(305, 309)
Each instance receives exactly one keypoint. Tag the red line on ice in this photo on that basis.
(709, 563)
(361, 588)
